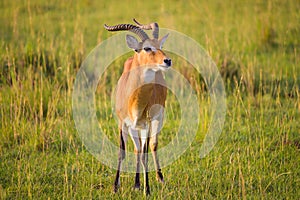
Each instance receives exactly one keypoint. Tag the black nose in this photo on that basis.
(168, 61)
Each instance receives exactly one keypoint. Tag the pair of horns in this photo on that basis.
(137, 29)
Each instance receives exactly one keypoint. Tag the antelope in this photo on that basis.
(140, 98)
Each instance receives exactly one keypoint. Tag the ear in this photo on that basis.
(162, 40)
(132, 42)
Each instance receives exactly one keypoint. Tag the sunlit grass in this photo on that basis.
(256, 47)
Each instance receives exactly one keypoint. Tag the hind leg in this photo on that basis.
(156, 126)
(120, 159)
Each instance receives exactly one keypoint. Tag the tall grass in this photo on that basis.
(255, 45)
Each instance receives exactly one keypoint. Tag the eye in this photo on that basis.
(147, 49)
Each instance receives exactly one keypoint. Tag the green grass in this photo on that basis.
(255, 45)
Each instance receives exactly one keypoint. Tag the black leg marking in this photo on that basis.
(137, 174)
(120, 159)
(137, 184)
(147, 184)
(145, 165)
(117, 181)
(159, 176)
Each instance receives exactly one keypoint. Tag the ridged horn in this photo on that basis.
(128, 27)
(153, 26)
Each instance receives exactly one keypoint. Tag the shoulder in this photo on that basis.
(127, 65)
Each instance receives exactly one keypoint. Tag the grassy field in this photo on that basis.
(256, 46)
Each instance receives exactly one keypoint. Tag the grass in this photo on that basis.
(255, 45)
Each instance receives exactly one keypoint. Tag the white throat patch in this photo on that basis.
(149, 74)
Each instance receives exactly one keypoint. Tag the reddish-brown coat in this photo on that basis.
(134, 98)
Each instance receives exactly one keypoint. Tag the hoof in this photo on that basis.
(147, 191)
(159, 177)
(136, 187)
(116, 187)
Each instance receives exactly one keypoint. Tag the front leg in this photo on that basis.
(137, 151)
(145, 144)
